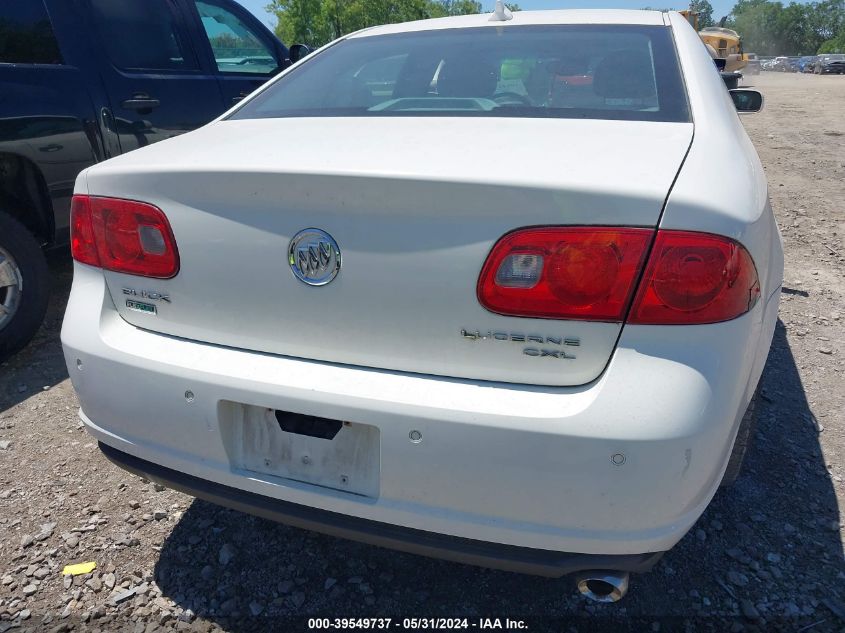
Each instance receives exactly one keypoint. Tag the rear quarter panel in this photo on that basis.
(722, 189)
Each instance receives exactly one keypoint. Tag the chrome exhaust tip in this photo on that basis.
(603, 586)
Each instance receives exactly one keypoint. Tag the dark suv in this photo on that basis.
(84, 80)
(830, 63)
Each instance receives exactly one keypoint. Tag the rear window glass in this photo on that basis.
(571, 71)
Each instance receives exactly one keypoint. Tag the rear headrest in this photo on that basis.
(467, 78)
(625, 74)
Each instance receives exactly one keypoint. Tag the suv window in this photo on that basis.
(142, 35)
(236, 47)
(26, 35)
(566, 71)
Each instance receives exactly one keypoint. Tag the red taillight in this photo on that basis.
(124, 236)
(694, 278)
(83, 248)
(583, 273)
(590, 273)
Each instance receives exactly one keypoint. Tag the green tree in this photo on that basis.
(834, 45)
(316, 22)
(772, 28)
(705, 12)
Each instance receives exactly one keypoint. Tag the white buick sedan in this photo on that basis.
(495, 288)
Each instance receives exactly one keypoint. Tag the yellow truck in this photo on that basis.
(724, 46)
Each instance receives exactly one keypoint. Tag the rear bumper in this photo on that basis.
(513, 465)
(462, 550)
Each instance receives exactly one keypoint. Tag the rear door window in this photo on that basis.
(26, 34)
(142, 35)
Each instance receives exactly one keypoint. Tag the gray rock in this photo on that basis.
(330, 582)
(285, 586)
(29, 589)
(5, 444)
(45, 532)
(255, 608)
(228, 606)
(226, 554)
(123, 596)
(158, 515)
(748, 609)
(298, 599)
(738, 579)
(95, 584)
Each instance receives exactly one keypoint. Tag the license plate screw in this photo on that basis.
(267, 463)
(306, 459)
(344, 480)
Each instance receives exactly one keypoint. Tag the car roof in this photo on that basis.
(568, 16)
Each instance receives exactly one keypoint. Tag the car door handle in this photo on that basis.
(141, 101)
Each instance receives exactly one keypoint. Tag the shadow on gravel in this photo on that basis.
(41, 363)
(764, 555)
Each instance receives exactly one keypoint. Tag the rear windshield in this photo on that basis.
(573, 71)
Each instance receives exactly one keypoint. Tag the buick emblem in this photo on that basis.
(314, 257)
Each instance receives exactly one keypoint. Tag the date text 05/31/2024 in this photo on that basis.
(417, 623)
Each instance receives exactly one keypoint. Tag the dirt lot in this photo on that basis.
(767, 554)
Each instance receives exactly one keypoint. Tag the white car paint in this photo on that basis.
(414, 228)
(530, 465)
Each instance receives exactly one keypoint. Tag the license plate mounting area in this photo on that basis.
(334, 454)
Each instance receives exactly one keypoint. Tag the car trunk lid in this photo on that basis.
(415, 206)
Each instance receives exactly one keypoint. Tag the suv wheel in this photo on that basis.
(744, 437)
(24, 286)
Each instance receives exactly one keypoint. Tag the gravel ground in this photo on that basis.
(766, 555)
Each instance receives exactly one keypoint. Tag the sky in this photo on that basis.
(720, 7)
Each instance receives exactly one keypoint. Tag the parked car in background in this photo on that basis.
(768, 63)
(461, 287)
(831, 63)
(781, 64)
(752, 66)
(84, 80)
(806, 64)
